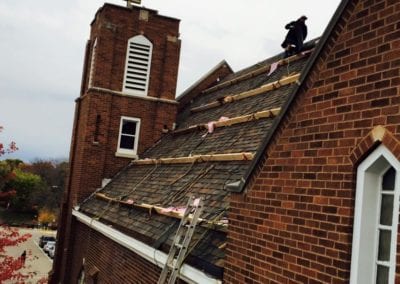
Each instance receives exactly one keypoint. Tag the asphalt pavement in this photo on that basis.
(37, 262)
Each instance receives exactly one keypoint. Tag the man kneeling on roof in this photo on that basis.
(295, 37)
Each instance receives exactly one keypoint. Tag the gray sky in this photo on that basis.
(42, 45)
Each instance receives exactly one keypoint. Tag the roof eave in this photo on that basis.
(188, 273)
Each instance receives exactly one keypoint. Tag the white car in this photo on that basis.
(48, 245)
(52, 251)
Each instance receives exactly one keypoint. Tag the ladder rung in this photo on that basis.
(170, 265)
(181, 242)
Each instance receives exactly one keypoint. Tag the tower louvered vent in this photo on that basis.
(138, 63)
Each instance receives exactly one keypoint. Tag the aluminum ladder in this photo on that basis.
(179, 247)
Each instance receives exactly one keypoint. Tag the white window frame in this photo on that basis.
(92, 63)
(122, 152)
(367, 214)
(142, 40)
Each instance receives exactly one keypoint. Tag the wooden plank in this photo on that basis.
(232, 121)
(207, 106)
(197, 159)
(190, 128)
(264, 88)
(248, 117)
(257, 72)
(217, 225)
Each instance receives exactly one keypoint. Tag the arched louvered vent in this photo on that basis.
(137, 68)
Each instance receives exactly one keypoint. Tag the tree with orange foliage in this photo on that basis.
(46, 216)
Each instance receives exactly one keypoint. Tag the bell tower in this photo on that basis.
(128, 91)
(127, 98)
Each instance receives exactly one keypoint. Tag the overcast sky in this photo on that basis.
(42, 45)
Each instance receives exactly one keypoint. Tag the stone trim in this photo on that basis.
(378, 135)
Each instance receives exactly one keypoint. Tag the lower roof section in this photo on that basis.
(157, 257)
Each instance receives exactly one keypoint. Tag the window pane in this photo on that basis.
(388, 179)
(387, 209)
(384, 245)
(382, 275)
(127, 142)
(128, 127)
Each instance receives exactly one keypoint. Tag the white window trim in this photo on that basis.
(365, 177)
(140, 39)
(122, 152)
(92, 62)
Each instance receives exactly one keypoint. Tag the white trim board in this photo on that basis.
(367, 172)
(157, 257)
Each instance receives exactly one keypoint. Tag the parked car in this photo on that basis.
(44, 239)
(52, 251)
(48, 245)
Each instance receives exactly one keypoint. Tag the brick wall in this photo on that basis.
(96, 148)
(295, 222)
(113, 26)
(115, 263)
(100, 107)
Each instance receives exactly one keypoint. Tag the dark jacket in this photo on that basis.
(296, 35)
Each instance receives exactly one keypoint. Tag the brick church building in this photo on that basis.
(296, 158)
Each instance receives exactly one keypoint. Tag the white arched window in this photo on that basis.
(137, 66)
(376, 219)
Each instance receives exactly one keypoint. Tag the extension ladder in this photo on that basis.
(179, 247)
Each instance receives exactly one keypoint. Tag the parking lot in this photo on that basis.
(37, 262)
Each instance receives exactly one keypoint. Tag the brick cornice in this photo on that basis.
(112, 92)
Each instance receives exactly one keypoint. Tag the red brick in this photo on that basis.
(336, 117)
(94, 144)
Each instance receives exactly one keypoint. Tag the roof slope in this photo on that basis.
(248, 102)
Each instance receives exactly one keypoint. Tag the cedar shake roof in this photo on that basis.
(170, 184)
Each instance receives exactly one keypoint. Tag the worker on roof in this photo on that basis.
(295, 37)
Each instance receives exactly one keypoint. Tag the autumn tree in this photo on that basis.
(11, 266)
(46, 216)
(53, 173)
(6, 174)
(6, 170)
(26, 186)
(11, 147)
